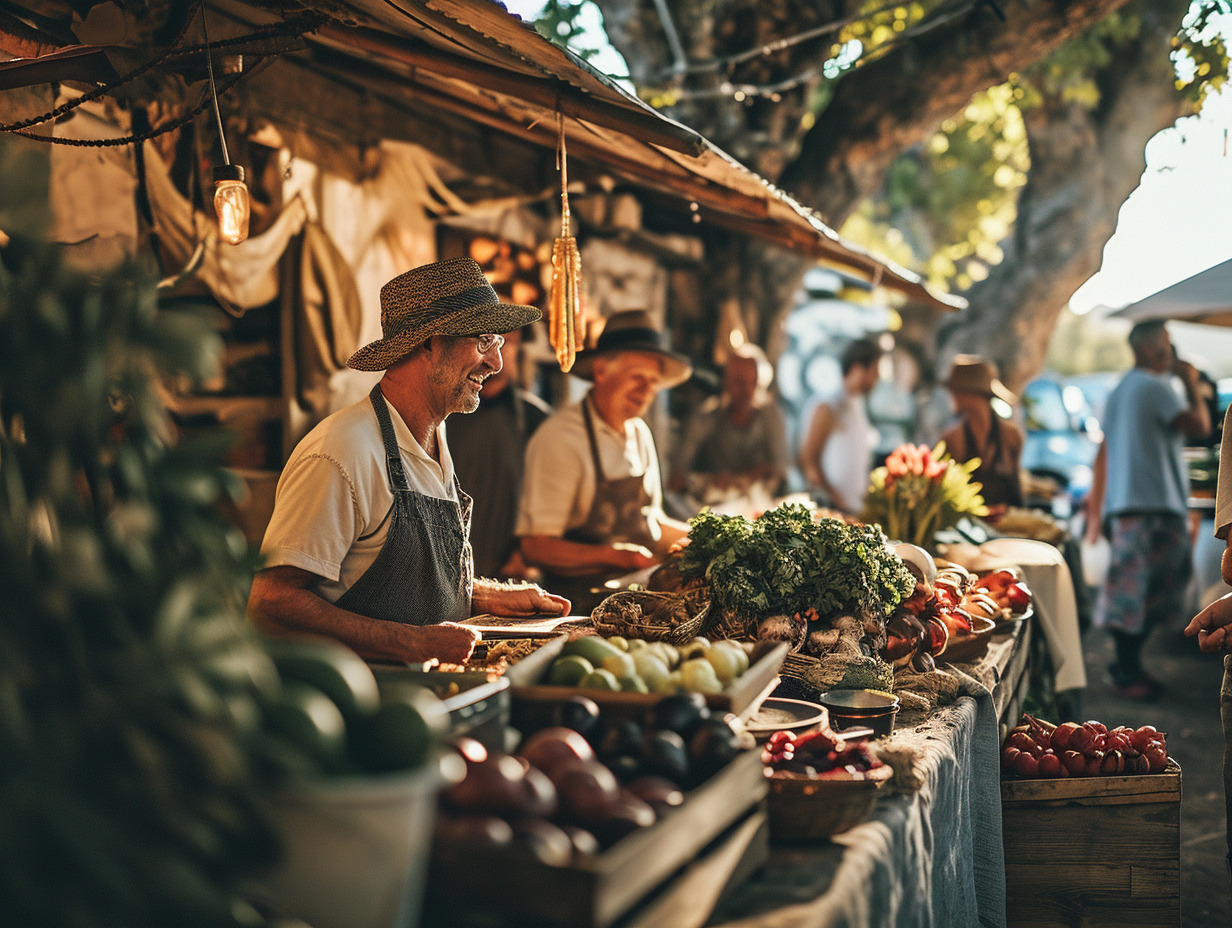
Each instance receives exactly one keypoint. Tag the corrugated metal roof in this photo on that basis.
(475, 58)
(475, 53)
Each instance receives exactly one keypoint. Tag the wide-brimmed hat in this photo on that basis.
(634, 331)
(450, 297)
(972, 374)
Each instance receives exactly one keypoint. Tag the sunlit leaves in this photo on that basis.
(560, 24)
(1200, 54)
(956, 196)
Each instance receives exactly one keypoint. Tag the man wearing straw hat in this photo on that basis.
(592, 495)
(369, 539)
(982, 432)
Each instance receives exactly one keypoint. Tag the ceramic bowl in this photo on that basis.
(793, 715)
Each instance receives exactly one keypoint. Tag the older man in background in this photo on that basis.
(592, 497)
(738, 439)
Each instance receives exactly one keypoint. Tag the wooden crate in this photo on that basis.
(720, 821)
(535, 701)
(1087, 852)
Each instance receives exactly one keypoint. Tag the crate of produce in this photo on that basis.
(720, 821)
(1093, 851)
(479, 707)
(536, 696)
(478, 694)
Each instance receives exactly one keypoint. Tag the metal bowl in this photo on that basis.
(861, 709)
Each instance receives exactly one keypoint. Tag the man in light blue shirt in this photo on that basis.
(1140, 488)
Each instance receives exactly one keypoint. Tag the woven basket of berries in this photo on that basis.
(820, 784)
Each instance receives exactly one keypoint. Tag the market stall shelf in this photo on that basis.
(1093, 851)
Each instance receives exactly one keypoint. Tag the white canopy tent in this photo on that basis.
(1205, 297)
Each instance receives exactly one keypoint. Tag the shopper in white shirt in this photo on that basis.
(836, 456)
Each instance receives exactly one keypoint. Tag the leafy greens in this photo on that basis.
(785, 562)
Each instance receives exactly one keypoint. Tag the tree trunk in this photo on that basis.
(879, 109)
(1083, 163)
(1083, 166)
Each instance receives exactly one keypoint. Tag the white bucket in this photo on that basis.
(355, 850)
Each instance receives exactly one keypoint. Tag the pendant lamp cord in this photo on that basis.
(209, 66)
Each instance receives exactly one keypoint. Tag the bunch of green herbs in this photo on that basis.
(786, 562)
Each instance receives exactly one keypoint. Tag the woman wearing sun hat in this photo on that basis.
(982, 433)
(369, 539)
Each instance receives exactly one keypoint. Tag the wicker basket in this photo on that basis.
(653, 616)
(808, 808)
(727, 623)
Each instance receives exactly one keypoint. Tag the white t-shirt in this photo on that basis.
(847, 455)
(558, 488)
(333, 496)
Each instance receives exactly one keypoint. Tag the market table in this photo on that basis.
(930, 857)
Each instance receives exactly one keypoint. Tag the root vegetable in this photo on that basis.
(1062, 734)
(1026, 766)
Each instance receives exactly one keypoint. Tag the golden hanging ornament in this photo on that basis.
(566, 327)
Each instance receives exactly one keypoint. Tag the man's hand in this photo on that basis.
(1211, 626)
(628, 556)
(448, 642)
(1186, 371)
(516, 601)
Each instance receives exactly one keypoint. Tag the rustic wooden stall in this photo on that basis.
(375, 136)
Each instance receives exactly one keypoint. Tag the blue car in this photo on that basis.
(1063, 435)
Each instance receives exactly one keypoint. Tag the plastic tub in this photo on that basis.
(355, 849)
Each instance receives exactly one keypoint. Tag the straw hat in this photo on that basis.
(634, 331)
(972, 374)
(450, 297)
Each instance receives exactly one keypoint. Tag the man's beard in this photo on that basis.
(460, 394)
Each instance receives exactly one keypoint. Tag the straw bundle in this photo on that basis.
(566, 329)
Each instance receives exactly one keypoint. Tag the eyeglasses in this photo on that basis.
(488, 342)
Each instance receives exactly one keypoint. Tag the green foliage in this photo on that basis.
(956, 197)
(559, 24)
(131, 679)
(948, 205)
(785, 562)
(1199, 51)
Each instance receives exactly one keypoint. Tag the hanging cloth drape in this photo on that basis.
(243, 275)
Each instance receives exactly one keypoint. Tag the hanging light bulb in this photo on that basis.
(232, 203)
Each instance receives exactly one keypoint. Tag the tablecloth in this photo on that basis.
(1052, 588)
(927, 859)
